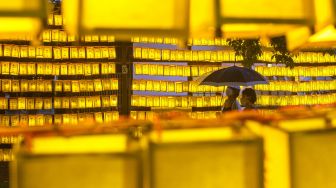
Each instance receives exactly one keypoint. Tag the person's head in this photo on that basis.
(249, 97)
(232, 92)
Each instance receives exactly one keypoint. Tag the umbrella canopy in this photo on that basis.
(232, 76)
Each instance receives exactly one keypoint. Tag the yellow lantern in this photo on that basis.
(163, 86)
(185, 102)
(194, 71)
(192, 87)
(142, 100)
(149, 85)
(178, 87)
(185, 87)
(150, 101)
(202, 70)
(171, 19)
(157, 55)
(141, 115)
(166, 55)
(156, 85)
(113, 100)
(166, 70)
(262, 18)
(171, 102)
(160, 70)
(193, 101)
(188, 56)
(214, 57)
(163, 101)
(111, 68)
(186, 71)
(157, 101)
(153, 69)
(142, 85)
(171, 87)
(207, 101)
(207, 56)
(179, 70)
(173, 55)
(145, 69)
(180, 55)
(135, 85)
(173, 71)
(138, 68)
(133, 115)
(178, 102)
(22, 18)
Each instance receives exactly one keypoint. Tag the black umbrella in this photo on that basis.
(232, 76)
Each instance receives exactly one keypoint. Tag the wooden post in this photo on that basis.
(124, 70)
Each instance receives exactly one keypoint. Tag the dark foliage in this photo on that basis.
(249, 49)
(281, 54)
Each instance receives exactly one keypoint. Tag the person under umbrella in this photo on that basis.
(233, 77)
(249, 97)
(231, 103)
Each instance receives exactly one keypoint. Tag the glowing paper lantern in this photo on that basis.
(222, 158)
(104, 159)
(259, 18)
(130, 18)
(22, 18)
(292, 150)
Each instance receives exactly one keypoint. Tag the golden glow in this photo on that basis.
(263, 100)
(22, 26)
(131, 15)
(245, 9)
(202, 18)
(19, 26)
(242, 11)
(169, 70)
(295, 38)
(324, 25)
(251, 30)
(70, 10)
(23, 103)
(269, 100)
(59, 53)
(324, 13)
(297, 71)
(20, 5)
(277, 161)
(79, 144)
(187, 102)
(156, 40)
(328, 34)
(152, 85)
(125, 13)
(6, 155)
(192, 135)
(13, 68)
(302, 124)
(229, 55)
(276, 148)
(42, 119)
(294, 86)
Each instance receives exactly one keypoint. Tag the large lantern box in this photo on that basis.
(78, 162)
(299, 153)
(205, 157)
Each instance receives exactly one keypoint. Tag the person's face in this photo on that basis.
(230, 92)
(244, 101)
